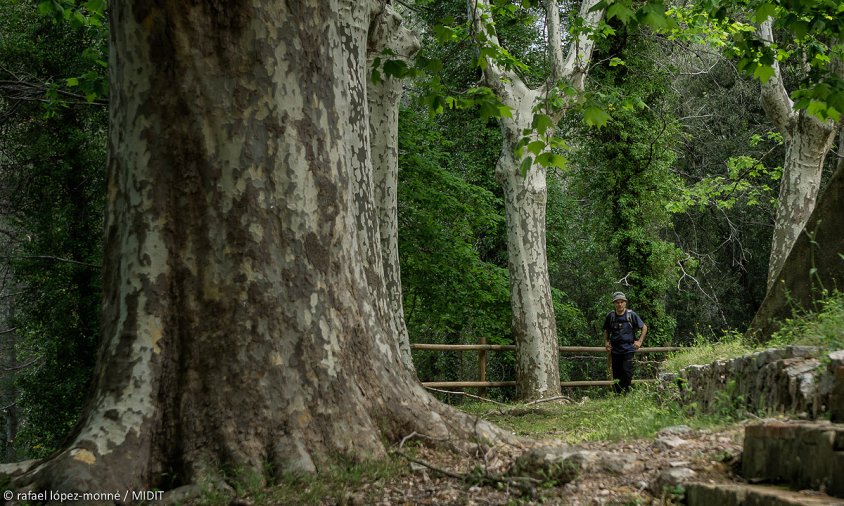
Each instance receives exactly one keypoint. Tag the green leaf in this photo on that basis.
(764, 11)
(764, 73)
(615, 62)
(799, 28)
(545, 159)
(596, 116)
(97, 6)
(559, 161)
(395, 68)
(77, 19)
(536, 147)
(444, 34)
(488, 110)
(542, 122)
(73, 81)
(551, 160)
(525, 165)
(817, 109)
(622, 11)
(654, 16)
(436, 103)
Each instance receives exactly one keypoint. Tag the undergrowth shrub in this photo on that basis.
(823, 327)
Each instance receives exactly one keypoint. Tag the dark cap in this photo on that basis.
(618, 296)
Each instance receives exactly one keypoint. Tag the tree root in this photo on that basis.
(481, 476)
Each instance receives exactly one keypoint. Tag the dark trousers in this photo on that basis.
(622, 371)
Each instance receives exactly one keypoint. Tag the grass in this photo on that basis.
(336, 484)
(823, 328)
(640, 414)
(704, 351)
(333, 486)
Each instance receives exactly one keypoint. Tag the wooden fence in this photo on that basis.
(482, 348)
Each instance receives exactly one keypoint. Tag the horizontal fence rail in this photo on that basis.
(484, 384)
(512, 347)
(483, 348)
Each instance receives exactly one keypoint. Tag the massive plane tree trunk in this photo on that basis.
(807, 142)
(525, 197)
(388, 39)
(242, 323)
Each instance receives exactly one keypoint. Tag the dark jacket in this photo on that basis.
(621, 330)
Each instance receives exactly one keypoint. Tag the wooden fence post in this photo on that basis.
(482, 367)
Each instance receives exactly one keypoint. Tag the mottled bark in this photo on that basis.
(813, 266)
(384, 96)
(243, 321)
(9, 363)
(534, 325)
(807, 142)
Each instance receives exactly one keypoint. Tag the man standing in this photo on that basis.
(620, 328)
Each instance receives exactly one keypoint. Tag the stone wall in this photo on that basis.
(794, 379)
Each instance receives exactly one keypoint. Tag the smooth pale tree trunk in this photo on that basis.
(525, 197)
(814, 264)
(243, 327)
(384, 97)
(807, 142)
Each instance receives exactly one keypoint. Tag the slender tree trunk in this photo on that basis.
(807, 140)
(807, 144)
(814, 264)
(9, 363)
(534, 325)
(242, 319)
(384, 97)
(525, 197)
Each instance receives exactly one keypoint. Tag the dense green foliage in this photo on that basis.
(454, 290)
(723, 213)
(624, 176)
(53, 168)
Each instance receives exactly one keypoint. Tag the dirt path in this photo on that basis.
(629, 472)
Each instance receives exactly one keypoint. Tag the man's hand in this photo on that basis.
(607, 346)
(637, 344)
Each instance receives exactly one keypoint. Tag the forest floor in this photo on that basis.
(631, 472)
(638, 470)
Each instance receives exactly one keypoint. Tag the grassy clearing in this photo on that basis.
(638, 415)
